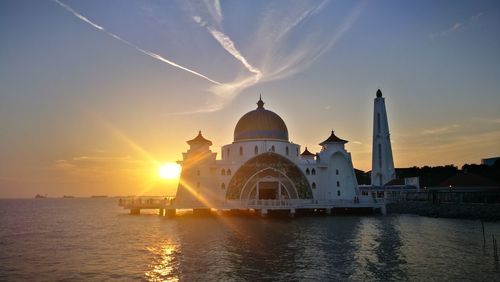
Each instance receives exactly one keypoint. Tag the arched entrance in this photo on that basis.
(268, 184)
(268, 176)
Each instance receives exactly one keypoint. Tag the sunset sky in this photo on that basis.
(95, 95)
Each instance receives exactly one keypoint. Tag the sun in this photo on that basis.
(169, 171)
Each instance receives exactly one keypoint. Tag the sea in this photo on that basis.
(92, 239)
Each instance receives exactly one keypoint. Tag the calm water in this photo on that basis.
(93, 239)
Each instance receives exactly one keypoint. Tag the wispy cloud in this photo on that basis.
(457, 26)
(312, 10)
(229, 46)
(269, 60)
(441, 130)
(100, 164)
(149, 53)
(271, 51)
(491, 120)
(214, 9)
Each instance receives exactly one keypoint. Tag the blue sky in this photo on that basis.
(74, 100)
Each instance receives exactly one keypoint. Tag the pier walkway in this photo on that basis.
(168, 207)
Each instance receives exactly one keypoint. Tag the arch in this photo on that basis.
(313, 171)
(241, 151)
(271, 165)
(256, 150)
(228, 171)
(338, 193)
(287, 189)
(198, 172)
(228, 152)
(223, 186)
(223, 172)
(273, 149)
(314, 185)
(308, 171)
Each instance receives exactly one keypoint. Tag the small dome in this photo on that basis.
(260, 124)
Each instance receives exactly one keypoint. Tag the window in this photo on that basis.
(228, 171)
(287, 151)
(380, 155)
(223, 186)
(297, 151)
(272, 148)
(256, 150)
(378, 123)
(313, 171)
(198, 172)
(314, 185)
(241, 151)
(337, 172)
(228, 151)
(338, 193)
(307, 171)
(338, 184)
(223, 172)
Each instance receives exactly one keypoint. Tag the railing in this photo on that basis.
(489, 197)
(271, 203)
(145, 203)
(294, 203)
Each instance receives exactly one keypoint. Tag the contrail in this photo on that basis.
(229, 46)
(148, 53)
(301, 18)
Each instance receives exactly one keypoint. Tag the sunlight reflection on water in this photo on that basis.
(94, 240)
(164, 263)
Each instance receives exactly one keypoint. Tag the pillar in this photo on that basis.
(170, 212)
(263, 212)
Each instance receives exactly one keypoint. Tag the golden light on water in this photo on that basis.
(169, 171)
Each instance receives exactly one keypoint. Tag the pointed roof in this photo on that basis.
(333, 139)
(260, 103)
(199, 139)
(307, 153)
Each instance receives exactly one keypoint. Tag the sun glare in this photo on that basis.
(169, 171)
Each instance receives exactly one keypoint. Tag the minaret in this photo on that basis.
(382, 162)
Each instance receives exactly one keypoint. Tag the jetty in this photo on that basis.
(168, 207)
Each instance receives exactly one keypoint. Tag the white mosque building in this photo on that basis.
(262, 170)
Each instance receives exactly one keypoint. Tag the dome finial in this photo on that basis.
(379, 93)
(260, 103)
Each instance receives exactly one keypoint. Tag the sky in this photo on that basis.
(95, 95)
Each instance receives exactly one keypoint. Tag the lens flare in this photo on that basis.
(169, 171)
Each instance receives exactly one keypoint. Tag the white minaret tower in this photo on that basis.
(382, 162)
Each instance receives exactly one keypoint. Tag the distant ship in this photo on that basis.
(39, 196)
(66, 196)
(99, 196)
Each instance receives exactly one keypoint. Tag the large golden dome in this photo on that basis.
(260, 124)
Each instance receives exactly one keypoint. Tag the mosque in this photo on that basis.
(262, 170)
